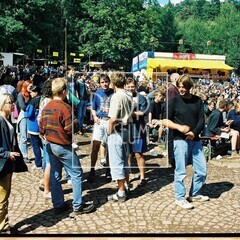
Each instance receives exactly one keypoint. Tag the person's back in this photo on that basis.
(234, 114)
(215, 122)
(118, 135)
(172, 90)
(56, 131)
(57, 126)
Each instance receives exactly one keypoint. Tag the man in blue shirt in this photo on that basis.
(100, 108)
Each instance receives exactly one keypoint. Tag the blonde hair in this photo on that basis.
(58, 85)
(118, 79)
(3, 99)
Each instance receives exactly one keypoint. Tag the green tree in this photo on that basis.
(226, 34)
(195, 33)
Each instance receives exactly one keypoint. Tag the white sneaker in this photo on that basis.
(198, 198)
(74, 145)
(103, 162)
(184, 204)
(153, 153)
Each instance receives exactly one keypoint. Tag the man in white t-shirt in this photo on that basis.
(118, 135)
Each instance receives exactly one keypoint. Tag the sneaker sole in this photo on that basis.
(197, 199)
(187, 208)
(84, 211)
(117, 200)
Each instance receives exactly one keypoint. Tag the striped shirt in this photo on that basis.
(57, 123)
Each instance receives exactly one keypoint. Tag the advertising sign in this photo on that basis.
(135, 64)
(143, 60)
(184, 56)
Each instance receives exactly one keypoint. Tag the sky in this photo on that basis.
(163, 2)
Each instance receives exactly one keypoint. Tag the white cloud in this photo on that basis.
(163, 2)
(175, 1)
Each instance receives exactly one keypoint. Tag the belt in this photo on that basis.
(104, 118)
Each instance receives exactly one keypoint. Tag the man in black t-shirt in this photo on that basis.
(186, 118)
(155, 113)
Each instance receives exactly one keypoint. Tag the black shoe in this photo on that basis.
(26, 160)
(85, 208)
(108, 175)
(10, 230)
(91, 177)
(82, 131)
(142, 183)
(59, 210)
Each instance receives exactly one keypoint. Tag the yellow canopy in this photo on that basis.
(173, 63)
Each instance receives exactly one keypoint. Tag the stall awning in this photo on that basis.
(96, 64)
(200, 64)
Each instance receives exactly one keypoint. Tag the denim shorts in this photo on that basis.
(118, 150)
(100, 131)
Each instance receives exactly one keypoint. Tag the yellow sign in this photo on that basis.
(76, 60)
(81, 54)
(39, 50)
(55, 54)
(73, 54)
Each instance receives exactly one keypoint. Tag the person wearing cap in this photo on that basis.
(31, 114)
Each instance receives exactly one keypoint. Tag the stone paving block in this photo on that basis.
(150, 211)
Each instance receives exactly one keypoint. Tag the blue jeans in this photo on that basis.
(183, 149)
(36, 143)
(81, 111)
(23, 137)
(45, 155)
(64, 156)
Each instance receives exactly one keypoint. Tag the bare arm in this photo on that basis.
(95, 118)
(111, 125)
(170, 124)
(150, 119)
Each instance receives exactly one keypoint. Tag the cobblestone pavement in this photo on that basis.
(151, 209)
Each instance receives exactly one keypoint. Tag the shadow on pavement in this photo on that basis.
(214, 190)
(98, 196)
(82, 143)
(156, 179)
(46, 219)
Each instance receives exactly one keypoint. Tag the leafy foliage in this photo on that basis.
(117, 30)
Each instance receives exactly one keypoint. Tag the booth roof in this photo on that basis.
(201, 64)
(95, 64)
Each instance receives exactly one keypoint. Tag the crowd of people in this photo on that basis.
(48, 109)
